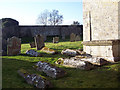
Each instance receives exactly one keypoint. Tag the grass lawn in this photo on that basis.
(103, 77)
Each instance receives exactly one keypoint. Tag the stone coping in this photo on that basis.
(101, 42)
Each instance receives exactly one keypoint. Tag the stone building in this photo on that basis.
(101, 28)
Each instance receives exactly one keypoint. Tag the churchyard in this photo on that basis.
(55, 57)
(107, 76)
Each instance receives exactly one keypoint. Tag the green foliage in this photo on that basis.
(103, 77)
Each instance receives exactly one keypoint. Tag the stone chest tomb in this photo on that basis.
(101, 28)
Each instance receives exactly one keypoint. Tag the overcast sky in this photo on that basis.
(27, 11)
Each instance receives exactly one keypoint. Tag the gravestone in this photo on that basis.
(33, 53)
(55, 39)
(69, 52)
(72, 37)
(34, 79)
(32, 45)
(13, 46)
(77, 38)
(50, 70)
(75, 63)
(48, 50)
(39, 42)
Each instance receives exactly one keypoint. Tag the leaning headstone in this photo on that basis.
(32, 44)
(33, 53)
(55, 39)
(50, 70)
(13, 46)
(48, 50)
(77, 38)
(39, 42)
(34, 79)
(72, 37)
(72, 62)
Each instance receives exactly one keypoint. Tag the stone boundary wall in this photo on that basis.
(60, 30)
(11, 27)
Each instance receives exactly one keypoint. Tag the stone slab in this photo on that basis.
(34, 79)
(69, 52)
(75, 63)
(48, 50)
(32, 52)
(109, 49)
(50, 70)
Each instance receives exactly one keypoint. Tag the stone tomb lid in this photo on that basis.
(101, 42)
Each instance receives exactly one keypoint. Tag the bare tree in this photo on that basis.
(43, 17)
(55, 18)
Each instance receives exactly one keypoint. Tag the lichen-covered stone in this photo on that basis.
(96, 60)
(34, 79)
(75, 63)
(69, 52)
(33, 53)
(48, 50)
(50, 70)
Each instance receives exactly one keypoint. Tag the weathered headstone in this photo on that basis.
(13, 46)
(32, 44)
(33, 53)
(48, 50)
(55, 39)
(34, 79)
(39, 42)
(77, 38)
(72, 37)
(50, 70)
